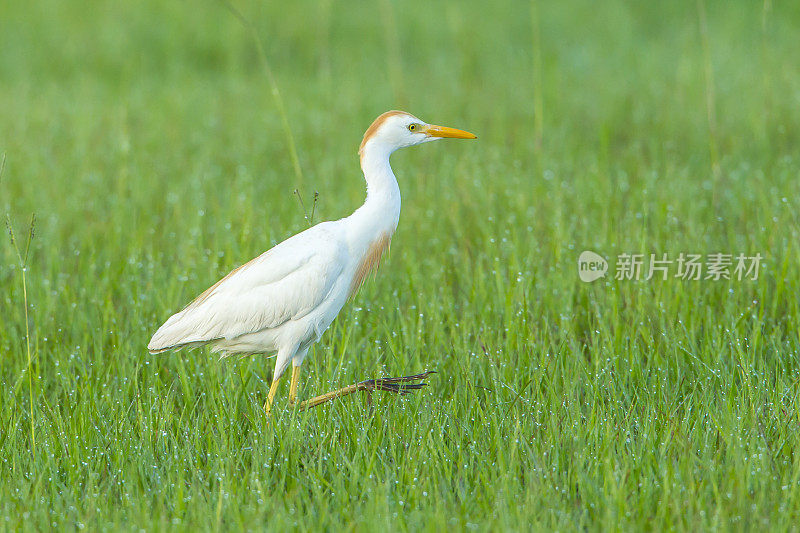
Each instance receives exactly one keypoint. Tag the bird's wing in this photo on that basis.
(282, 284)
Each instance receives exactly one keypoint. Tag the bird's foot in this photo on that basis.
(400, 385)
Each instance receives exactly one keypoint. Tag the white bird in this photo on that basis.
(283, 300)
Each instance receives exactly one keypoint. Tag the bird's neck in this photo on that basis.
(381, 210)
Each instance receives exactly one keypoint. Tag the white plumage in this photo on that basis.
(283, 300)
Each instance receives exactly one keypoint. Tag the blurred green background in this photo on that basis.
(147, 140)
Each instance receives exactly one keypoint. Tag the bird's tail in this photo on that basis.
(173, 334)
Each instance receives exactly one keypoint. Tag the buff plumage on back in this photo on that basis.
(283, 284)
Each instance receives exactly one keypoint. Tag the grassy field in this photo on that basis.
(146, 138)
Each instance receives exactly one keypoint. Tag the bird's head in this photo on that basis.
(398, 129)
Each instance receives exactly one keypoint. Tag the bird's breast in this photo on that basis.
(369, 261)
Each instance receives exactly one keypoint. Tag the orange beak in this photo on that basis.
(444, 131)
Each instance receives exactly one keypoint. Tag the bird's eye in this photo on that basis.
(412, 127)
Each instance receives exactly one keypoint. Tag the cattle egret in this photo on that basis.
(282, 301)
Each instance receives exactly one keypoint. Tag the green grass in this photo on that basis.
(146, 139)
